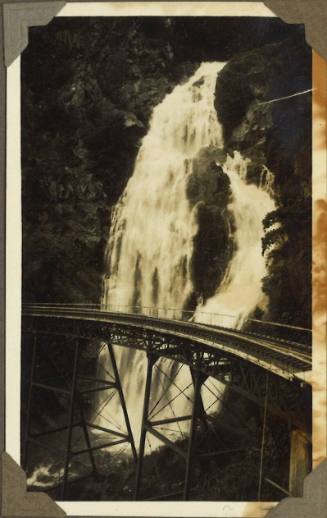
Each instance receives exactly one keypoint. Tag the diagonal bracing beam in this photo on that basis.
(148, 427)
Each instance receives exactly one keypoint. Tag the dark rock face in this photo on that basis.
(209, 191)
(278, 135)
(252, 123)
(83, 123)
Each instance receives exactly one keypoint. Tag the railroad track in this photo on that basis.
(281, 356)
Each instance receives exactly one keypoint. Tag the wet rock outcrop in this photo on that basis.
(264, 119)
(208, 190)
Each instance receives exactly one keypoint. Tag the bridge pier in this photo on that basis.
(148, 426)
(74, 394)
(122, 400)
(147, 395)
(197, 413)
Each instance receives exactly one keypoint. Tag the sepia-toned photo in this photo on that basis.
(166, 259)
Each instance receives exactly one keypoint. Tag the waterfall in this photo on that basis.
(153, 226)
(240, 291)
(151, 239)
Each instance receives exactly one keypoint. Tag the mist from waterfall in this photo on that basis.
(150, 246)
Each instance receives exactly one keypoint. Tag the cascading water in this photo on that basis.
(240, 291)
(151, 240)
(267, 181)
(153, 226)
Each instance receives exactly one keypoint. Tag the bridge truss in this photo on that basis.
(273, 371)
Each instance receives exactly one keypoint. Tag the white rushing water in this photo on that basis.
(240, 291)
(153, 226)
(151, 239)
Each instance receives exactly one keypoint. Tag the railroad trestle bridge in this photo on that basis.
(266, 363)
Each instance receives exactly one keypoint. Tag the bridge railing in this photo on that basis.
(201, 317)
(260, 328)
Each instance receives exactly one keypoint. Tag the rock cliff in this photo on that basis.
(271, 126)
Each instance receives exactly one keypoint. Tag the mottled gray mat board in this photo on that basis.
(16, 501)
(313, 13)
(17, 17)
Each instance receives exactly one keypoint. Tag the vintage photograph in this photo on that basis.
(167, 251)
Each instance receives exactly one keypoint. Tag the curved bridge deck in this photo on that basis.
(281, 356)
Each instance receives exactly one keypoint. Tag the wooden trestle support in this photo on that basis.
(75, 401)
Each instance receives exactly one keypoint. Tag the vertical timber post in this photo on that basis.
(198, 380)
(147, 393)
(122, 400)
(29, 402)
(71, 417)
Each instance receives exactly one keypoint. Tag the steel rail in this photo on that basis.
(156, 310)
(96, 309)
